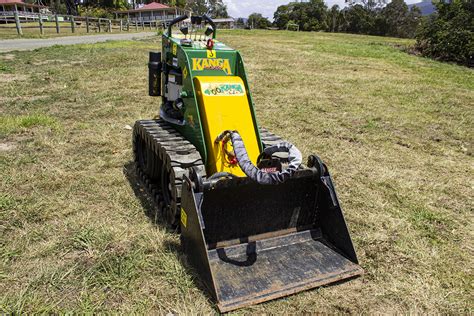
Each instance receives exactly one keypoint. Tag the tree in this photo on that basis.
(413, 21)
(368, 4)
(258, 21)
(317, 11)
(333, 19)
(240, 23)
(359, 20)
(281, 17)
(399, 21)
(310, 16)
(217, 9)
(449, 34)
(394, 15)
(173, 3)
(197, 6)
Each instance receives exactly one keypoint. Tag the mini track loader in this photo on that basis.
(256, 224)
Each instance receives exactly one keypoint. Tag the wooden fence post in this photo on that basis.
(56, 19)
(121, 25)
(41, 24)
(73, 25)
(87, 24)
(110, 26)
(143, 25)
(98, 25)
(18, 24)
(128, 25)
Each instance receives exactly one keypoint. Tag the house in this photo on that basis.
(153, 11)
(225, 23)
(9, 7)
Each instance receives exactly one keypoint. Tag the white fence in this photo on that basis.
(73, 23)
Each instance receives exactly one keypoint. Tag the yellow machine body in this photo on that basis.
(224, 105)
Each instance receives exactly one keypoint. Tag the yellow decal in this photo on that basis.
(200, 64)
(224, 89)
(184, 218)
(175, 49)
(211, 53)
(185, 72)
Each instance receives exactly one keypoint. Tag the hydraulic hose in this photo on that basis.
(262, 177)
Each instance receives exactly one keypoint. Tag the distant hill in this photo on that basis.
(425, 6)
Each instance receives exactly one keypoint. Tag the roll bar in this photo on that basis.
(194, 20)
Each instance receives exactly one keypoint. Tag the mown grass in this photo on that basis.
(77, 233)
(16, 123)
(31, 30)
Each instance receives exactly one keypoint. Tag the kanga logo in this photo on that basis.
(200, 64)
(224, 89)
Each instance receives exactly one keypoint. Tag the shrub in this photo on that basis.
(449, 35)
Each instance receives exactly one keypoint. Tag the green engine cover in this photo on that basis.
(191, 59)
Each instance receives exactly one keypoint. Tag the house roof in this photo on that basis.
(224, 20)
(11, 2)
(153, 6)
(20, 2)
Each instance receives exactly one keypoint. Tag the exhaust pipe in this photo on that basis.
(154, 74)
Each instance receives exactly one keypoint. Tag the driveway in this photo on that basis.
(29, 44)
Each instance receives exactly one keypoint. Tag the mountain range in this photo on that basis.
(425, 6)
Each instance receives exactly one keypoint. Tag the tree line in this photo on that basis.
(104, 8)
(446, 35)
(370, 17)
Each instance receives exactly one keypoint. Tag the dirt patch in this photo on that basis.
(31, 98)
(7, 57)
(11, 77)
(49, 61)
(77, 62)
(58, 62)
(7, 146)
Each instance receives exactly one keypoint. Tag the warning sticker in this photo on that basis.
(223, 89)
(175, 49)
(184, 218)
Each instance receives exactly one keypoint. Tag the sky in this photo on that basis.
(243, 8)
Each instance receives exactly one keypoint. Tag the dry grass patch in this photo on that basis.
(78, 234)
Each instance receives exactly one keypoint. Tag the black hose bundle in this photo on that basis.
(262, 177)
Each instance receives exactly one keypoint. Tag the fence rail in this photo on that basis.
(24, 20)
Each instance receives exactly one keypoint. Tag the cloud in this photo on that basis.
(243, 8)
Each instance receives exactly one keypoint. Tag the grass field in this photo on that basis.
(31, 30)
(396, 131)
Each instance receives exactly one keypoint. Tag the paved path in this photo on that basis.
(29, 44)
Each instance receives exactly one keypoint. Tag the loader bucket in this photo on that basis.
(251, 243)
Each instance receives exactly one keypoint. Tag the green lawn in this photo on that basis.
(396, 131)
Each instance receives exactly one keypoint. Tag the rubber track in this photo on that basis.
(268, 138)
(177, 154)
(172, 151)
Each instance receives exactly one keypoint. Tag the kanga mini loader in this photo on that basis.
(256, 223)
